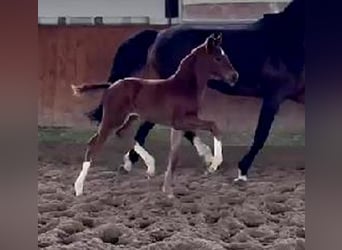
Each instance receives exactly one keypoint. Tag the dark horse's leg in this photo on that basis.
(140, 137)
(132, 156)
(269, 109)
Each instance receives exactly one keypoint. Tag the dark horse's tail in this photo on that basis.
(130, 57)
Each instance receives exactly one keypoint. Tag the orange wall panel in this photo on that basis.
(72, 55)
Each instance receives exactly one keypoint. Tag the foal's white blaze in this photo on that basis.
(218, 157)
(127, 165)
(203, 150)
(240, 177)
(148, 159)
(222, 52)
(80, 179)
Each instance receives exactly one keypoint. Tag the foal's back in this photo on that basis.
(154, 100)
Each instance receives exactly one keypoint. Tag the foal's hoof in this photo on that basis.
(208, 159)
(78, 188)
(150, 174)
(212, 168)
(168, 192)
(151, 170)
(214, 165)
(206, 173)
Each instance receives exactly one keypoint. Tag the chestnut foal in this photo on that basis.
(173, 102)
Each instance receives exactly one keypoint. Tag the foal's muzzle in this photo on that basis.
(235, 77)
(232, 79)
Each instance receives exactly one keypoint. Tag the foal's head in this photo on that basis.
(212, 60)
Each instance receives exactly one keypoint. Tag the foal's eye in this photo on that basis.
(218, 59)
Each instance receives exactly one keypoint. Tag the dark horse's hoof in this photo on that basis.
(241, 182)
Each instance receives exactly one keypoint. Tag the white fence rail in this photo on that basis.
(114, 11)
(190, 2)
(228, 11)
(111, 12)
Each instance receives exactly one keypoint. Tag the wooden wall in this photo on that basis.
(72, 55)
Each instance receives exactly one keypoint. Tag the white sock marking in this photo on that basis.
(80, 179)
(240, 177)
(203, 150)
(218, 158)
(148, 159)
(127, 165)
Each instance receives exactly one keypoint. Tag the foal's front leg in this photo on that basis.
(175, 141)
(192, 123)
(202, 149)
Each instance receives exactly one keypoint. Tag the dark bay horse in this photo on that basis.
(173, 102)
(268, 54)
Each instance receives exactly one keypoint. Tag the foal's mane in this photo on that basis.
(188, 60)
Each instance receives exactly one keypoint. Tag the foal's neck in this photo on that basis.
(190, 75)
(185, 70)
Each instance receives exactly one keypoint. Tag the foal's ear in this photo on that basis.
(210, 43)
(218, 39)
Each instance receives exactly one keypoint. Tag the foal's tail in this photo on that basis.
(77, 90)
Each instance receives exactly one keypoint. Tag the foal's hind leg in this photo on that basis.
(175, 141)
(94, 146)
(128, 122)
